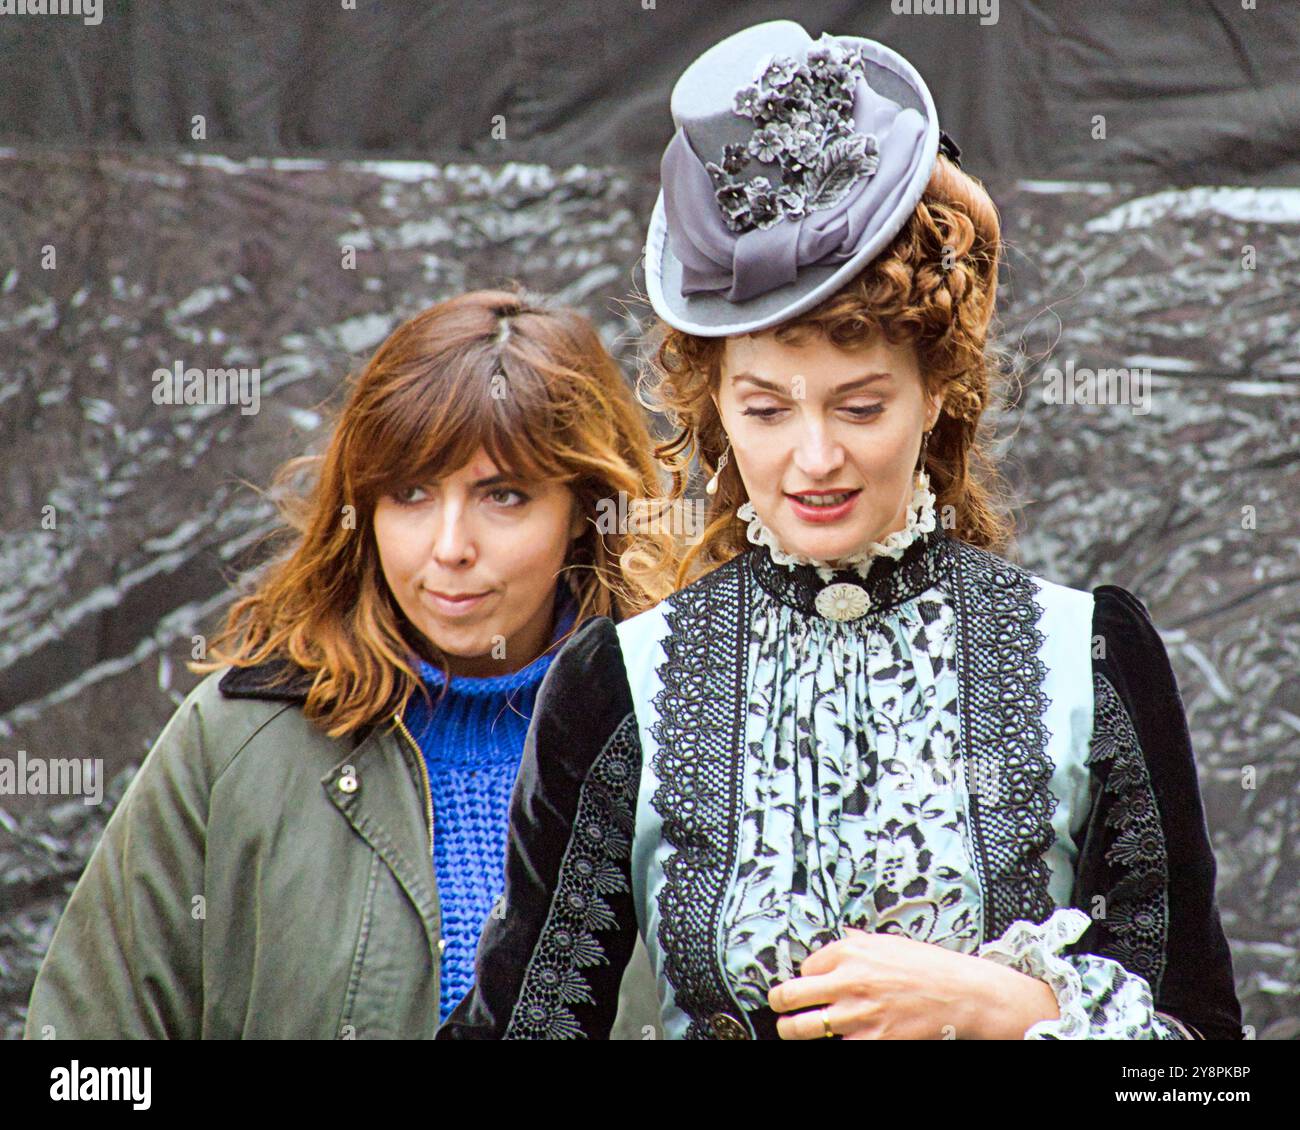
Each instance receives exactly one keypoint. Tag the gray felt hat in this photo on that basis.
(794, 163)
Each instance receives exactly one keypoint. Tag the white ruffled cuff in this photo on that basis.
(1034, 949)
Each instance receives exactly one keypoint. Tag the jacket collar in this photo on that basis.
(276, 680)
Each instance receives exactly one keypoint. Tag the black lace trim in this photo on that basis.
(889, 582)
(1002, 702)
(1136, 917)
(593, 867)
(698, 733)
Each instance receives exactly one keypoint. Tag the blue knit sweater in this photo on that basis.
(472, 743)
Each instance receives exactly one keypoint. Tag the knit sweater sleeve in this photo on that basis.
(552, 953)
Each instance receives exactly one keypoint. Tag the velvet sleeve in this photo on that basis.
(553, 951)
(1145, 875)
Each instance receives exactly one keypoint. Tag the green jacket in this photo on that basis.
(260, 879)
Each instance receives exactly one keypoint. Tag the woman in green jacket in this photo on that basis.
(313, 843)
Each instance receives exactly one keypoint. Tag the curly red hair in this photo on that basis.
(934, 286)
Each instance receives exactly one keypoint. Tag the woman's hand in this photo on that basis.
(870, 986)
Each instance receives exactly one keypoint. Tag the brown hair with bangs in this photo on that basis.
(933, 286)
(532, 385)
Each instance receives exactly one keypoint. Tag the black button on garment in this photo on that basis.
(727, 1027)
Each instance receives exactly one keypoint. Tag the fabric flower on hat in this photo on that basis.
(843, 133)
(803, 123)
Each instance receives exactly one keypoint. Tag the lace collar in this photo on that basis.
(884, 574)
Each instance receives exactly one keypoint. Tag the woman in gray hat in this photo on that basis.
(860, 776)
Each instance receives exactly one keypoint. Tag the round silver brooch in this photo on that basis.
(843, 601)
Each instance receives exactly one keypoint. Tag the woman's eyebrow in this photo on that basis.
(846, 386)
(433, 480)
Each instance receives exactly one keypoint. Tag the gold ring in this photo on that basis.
(826, 1025)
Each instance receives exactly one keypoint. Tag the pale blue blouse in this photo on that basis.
(856, 803)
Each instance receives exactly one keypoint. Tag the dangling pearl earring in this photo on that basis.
(920, 465)
(711, 487)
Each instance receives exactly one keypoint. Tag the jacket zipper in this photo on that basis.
(424, 776)
(428, 805)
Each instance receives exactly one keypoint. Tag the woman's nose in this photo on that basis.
(454, 540)
(817, 454)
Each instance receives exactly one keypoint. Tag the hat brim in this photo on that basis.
(712, 315)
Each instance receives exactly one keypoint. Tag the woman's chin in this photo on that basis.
(828, 547)
(467, 642)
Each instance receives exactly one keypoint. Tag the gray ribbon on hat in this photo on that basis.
(750, 263)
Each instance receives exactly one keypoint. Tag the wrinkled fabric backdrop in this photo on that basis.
(1172, 243)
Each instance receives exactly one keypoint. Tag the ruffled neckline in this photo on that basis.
(880, 577)
(920, 521)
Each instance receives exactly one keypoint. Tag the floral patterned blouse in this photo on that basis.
(769, 756)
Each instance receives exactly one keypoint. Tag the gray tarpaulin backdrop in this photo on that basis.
(1170, 243)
